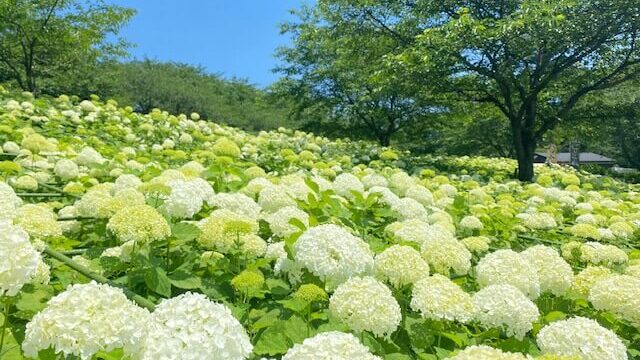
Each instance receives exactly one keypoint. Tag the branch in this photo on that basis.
(144, 302)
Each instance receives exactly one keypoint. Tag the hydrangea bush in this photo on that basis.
(166, 236)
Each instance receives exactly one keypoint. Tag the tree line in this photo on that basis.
(499, 78)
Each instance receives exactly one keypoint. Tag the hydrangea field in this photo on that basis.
(161, 236)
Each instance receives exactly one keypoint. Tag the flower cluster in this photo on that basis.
(581, 337)
(191, 326)
(333, 254)
(84, 320)
(364, 303)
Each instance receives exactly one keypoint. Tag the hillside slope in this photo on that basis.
(296, 242)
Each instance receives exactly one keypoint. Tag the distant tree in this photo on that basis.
(181, 88)
(532, 59)
(46, 44)
(607, 122)
(336, 64)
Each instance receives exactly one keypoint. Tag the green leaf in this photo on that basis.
(460, 339)
(296, 329)
(113, 355)
(312, 185)
(267, 320)
(372, 343)
(295, 305)
(297, 223)
(184, 232)
(184, 280)
(157, 281)
(554, 316)
(278, 286)
(272, 342)
(32, 302)
(458, 202)
(397, 356)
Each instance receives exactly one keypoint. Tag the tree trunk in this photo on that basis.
(524, 143)
(384, 139)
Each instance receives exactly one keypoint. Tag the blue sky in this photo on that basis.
(232, 37)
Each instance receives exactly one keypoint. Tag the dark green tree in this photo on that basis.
(46, 45)
(534, 60)
(336, 64)
(181, 88)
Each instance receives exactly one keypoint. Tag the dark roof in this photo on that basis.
(585, 157)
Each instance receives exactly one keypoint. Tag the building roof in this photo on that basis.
(585, 157)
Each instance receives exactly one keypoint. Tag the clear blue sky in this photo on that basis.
(233, 37)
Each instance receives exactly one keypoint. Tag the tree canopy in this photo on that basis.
(532, 60)
(50, 45)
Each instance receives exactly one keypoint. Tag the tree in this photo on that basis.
(181, 88)
(534, 60)
(46, 42)
(607, 122)
(336, 64)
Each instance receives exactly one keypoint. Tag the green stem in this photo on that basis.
(57, 189)
(308, 320)
(74, 252)
(99, 278)
(77, 218)
(5, 322)
(30, 195)
(168, 253)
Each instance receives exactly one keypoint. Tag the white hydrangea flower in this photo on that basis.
(414, 230)
(538, 221)
(190, 326)
(596, 253)
(471, 222)
(38, 220)
(89, 157)
(279, 221)
(19, 260)
(421, 194)
(365, 304)
(508, 267)
(483, 352)
(332, 345)
(203, 187)
(619, 294)
(554, 273)
(140, 224)
(448, 190)
(66, 170)
(386, 196)
(224, 230)
(9, 201)
(408, 208)
(344, 184)
(445, 254)
(283, 265)
(437, 297)
(333, 254)
(273, 198)
(126, 181)
(184, 201)
(400, 183)
(372, 180)
(86, 319)
(477, 244)
(400, 266)
(236, 202)
(581, 337)
(507, 308)
(254, 186)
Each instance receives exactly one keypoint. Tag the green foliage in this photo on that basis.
(183, 89)
(52, 46)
